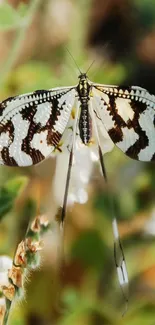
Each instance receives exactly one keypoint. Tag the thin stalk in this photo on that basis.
(26, 257)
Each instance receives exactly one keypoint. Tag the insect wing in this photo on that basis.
(128, 115)
(32, 125)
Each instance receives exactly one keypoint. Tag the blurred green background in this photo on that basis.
(120, 36)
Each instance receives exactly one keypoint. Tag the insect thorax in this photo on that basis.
(85, 122)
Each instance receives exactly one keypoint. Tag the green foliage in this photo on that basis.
(146, 12)
(112, 74)
(16, 185)
(89, 249)
(22, 9)
(71, 298)
(9, 192)
(29, 210)
(6, 202)
(8, 17)
(11, 18)
(31, 76)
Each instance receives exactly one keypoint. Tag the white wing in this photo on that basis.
(128, 115)
(32, 125)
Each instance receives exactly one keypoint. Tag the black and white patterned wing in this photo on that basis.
(32, 125)
(128, 115)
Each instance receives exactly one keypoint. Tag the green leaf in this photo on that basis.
(32, 75)
(9, 192)
(89, 249)
(22, 9)
(70, 297)
(16, 185)
(9, 17)
(6, 202)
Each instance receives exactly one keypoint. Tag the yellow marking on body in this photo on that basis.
(91, 93)
(73, 113)
(85, 84)
(91, 142)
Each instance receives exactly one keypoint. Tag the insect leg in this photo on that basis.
(63, 213)
(119, 257)
(118, 250)
(71, 155)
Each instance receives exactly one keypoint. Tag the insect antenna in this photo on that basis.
(74, 60)
(90, 66)
(119, 257)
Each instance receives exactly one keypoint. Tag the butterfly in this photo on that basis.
(32, 125)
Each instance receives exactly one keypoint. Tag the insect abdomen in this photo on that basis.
(85, 124)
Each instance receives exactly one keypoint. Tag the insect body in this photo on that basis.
(85, 125)
(32, 125)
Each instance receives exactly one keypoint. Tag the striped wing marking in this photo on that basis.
(32, 125)
(128, 115)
